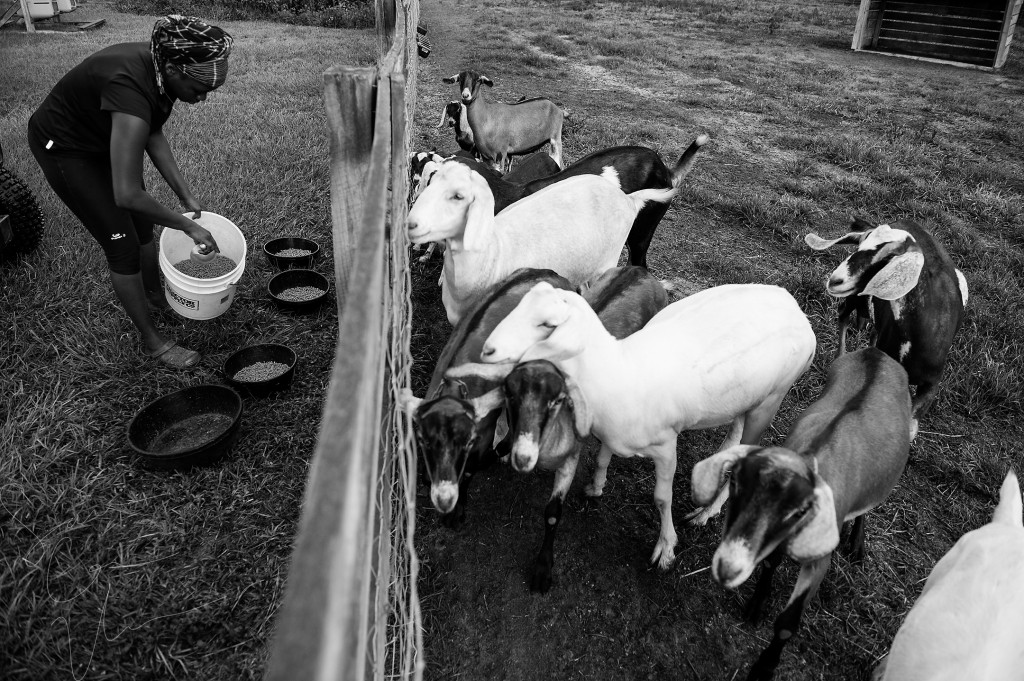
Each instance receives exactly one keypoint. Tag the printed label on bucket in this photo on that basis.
(184, 302)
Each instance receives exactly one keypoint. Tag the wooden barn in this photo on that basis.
(973, 33)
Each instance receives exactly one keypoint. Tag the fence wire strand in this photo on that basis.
(400, 624)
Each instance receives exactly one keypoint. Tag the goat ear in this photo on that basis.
(819, 244)
(584, 420)
(488, 402)
(486, 81)
(479, 215)
(450, 80)
(444, 117)
(820, 536)
(408, 402)
(898, 277)
(565, 340)
(708, 475)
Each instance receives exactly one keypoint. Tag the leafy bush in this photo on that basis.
(327, 13)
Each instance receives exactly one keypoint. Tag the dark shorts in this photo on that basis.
(85, 185)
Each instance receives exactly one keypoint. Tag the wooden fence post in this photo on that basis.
(323, 627)
(349, 100)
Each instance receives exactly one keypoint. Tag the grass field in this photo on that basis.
(804, 134)
(108, 571)
(112, 572)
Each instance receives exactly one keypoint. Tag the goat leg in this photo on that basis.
(855, 542)
(638, 242)
(543, 566)
(763, 588)
(665, 470)
(596, 488)
(923, 398)
(788, 621)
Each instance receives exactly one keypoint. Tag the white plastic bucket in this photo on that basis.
(201, 298)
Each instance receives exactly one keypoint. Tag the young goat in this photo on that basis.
(728, 354)
(969, 621)
(454, 115)
(541, 420)
(576, 227)
(843, 456)
(500, 130)
(455, 423)
(912, 292)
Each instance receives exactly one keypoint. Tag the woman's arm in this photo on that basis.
(160, 153)
(128, 140)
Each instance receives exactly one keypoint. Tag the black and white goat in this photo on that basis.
(455, 423)
(842, 458)
(501, 130)
(454, 116)
(911, 291)
(542, 423)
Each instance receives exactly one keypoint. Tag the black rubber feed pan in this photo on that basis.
(256, 358)
(190, 427)
(293, 290)
(286, 262)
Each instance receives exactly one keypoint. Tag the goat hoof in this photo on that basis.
(664, 556)
(592, 491)
(540, 581)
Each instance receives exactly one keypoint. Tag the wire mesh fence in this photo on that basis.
(351, 610)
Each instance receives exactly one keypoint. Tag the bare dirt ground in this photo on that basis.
(609, 616)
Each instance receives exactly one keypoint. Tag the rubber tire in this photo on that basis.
(27, 219)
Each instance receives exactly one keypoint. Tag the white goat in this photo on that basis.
(841, 459)
(728, 354)
(969, 621)
(500, 130)
(576, 227)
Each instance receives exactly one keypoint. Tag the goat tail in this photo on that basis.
(685, 163)
(1011, 506)
(655, 195)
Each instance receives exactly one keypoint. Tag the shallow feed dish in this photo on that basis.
(285, 262)
(192, 426)
(289, 279)
(261, 352)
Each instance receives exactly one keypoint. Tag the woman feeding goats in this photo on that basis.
(89, 135)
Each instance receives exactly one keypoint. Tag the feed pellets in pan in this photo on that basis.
(219, 266)
(260, 371)
(299, 294)
(293, 253)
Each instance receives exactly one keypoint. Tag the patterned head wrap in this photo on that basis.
(197, 48)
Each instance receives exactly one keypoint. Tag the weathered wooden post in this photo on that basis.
(323, 626)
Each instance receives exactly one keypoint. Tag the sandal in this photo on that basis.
(172, 354)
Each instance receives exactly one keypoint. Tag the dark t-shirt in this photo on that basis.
(76, 113)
